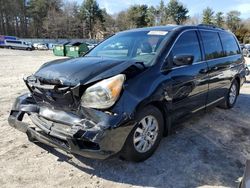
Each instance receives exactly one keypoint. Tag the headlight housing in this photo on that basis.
(103, 94)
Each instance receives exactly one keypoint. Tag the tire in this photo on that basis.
(133, 150)
(231, 97)
(247, 71)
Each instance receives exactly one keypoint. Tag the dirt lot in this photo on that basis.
(206, 151)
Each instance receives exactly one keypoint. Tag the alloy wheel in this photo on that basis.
(232, 94)
(146, 134)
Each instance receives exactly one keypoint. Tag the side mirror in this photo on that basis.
(183, 59)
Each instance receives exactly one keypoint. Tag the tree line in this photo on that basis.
(68, 19)
(230, 20)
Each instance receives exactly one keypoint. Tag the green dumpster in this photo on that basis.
(76, 49)
(59, 49)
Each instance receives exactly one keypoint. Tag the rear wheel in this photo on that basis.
(145, 136)
(232, 95)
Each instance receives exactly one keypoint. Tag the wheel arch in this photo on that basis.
(237, 78)
(162, 107)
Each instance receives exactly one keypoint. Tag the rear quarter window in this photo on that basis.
(212, 45)
(229, 43)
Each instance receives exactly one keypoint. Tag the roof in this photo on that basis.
(155, 28)
(173, 27)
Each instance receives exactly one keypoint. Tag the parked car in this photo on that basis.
(91, 45)
(242, 46)
(18, 44)
(42, 46)
(51, 46)
(124, 95)
(246, 50)
(35, 45)
(3, 38)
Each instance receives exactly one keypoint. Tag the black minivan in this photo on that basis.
(125, 94)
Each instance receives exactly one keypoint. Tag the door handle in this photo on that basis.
(204, 71)
(231, 66)
(215, 68)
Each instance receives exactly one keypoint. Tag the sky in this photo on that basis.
(195, 7)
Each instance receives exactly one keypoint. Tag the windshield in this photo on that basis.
(141, 46)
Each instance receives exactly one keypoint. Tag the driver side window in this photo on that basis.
(187, 44)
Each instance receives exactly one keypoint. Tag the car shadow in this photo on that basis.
(207, 150)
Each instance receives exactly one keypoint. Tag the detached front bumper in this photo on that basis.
(69, 132)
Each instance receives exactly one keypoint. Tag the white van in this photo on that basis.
(17, 44)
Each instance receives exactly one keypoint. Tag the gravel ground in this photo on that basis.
(205, 151)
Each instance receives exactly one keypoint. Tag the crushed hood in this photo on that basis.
(82, 70)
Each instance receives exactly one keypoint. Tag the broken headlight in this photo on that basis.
(103, 94)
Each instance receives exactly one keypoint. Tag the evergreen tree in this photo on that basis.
(219, 19)
(208, 16)
(177, 12)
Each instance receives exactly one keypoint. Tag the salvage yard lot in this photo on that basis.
(208, 151)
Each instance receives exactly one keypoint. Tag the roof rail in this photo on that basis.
(210, 25)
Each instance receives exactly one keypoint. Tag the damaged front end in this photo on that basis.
(61, 121)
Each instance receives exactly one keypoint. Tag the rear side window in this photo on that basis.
(187, 44)
(229, 44)
(212, 45)
(14, 42)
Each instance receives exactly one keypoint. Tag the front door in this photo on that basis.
(189, 82)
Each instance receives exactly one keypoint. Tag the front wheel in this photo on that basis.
(145, 136)
(232, 95)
